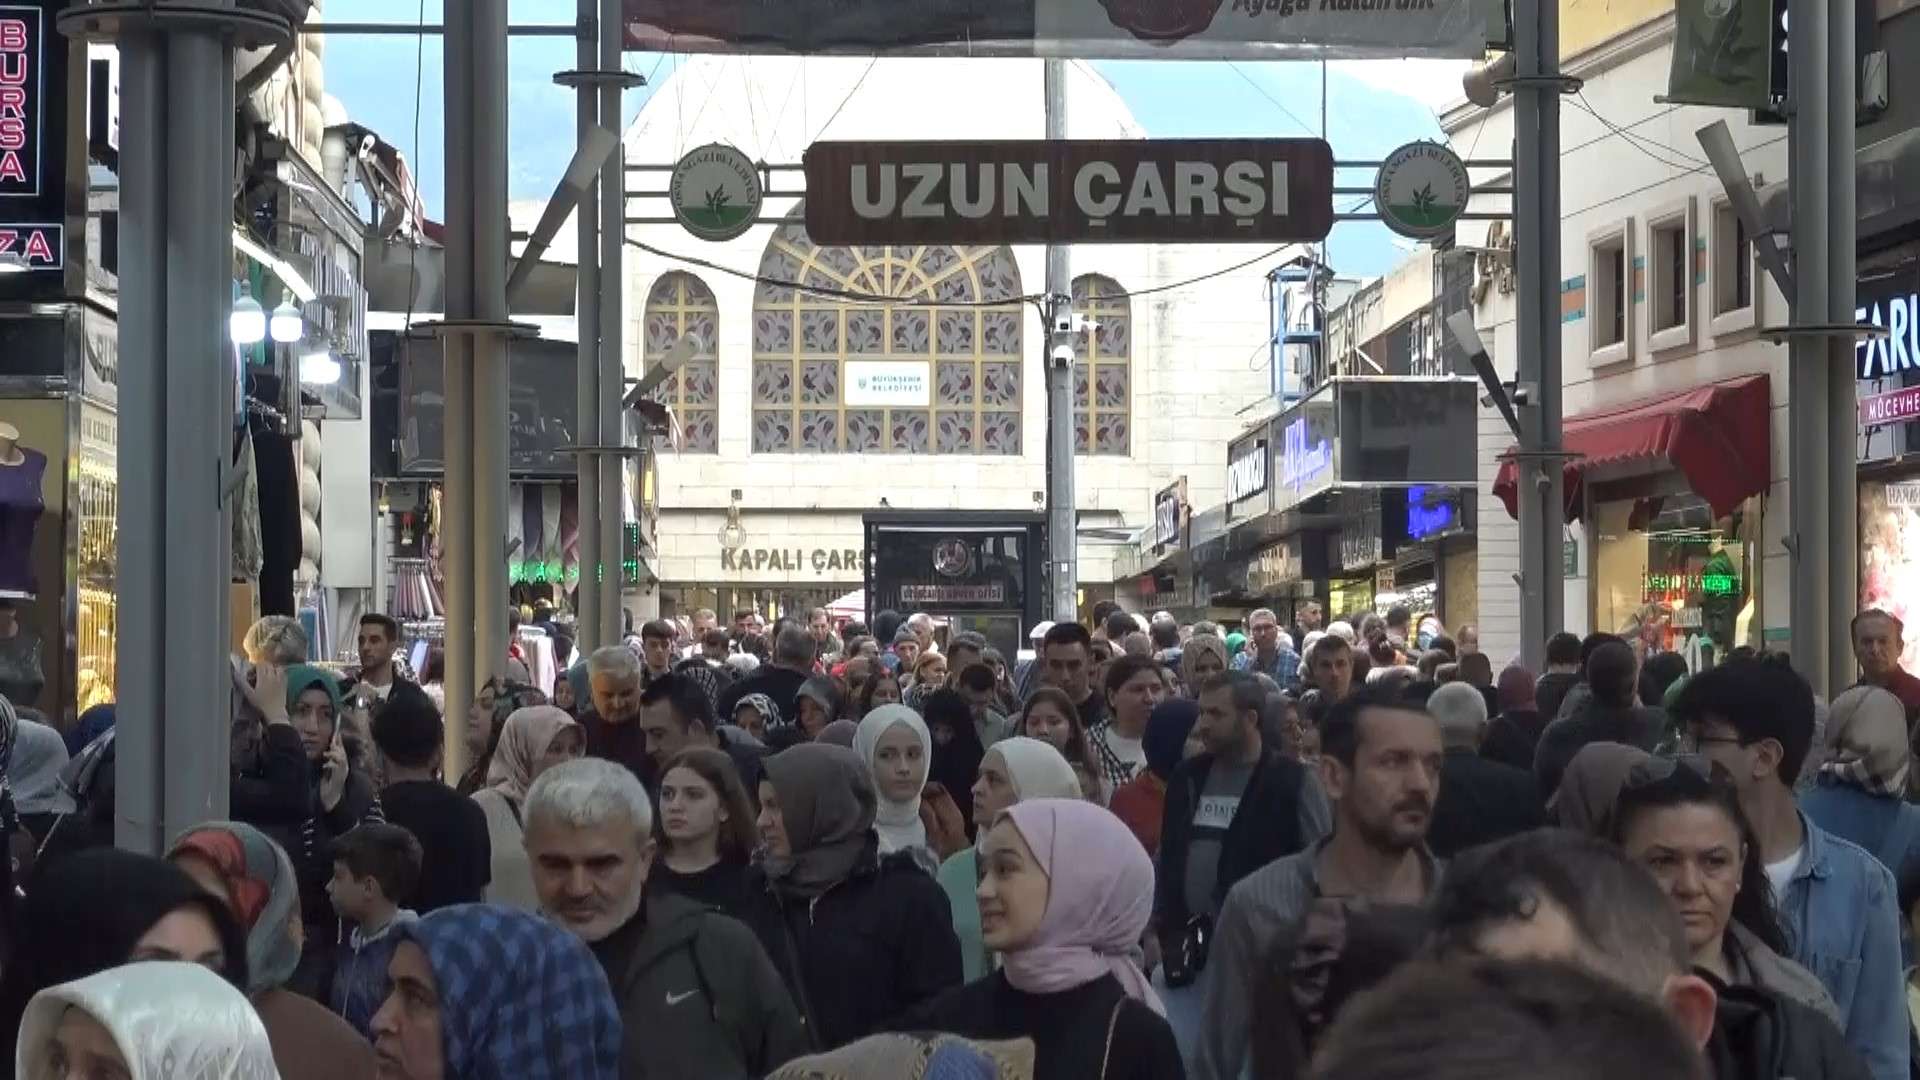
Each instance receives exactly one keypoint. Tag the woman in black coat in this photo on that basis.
(859, 939)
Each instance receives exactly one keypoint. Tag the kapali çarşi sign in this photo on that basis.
(1272, 191)
(792, 560)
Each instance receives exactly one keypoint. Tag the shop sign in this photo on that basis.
(1570, 557)
(1904, 495)
(1247, 472)
(1281, 564)
(1169, 514)
(1360, 543)
(1656, 586)
(1303, 461)
(1084, 192)
(1421, 190)
(33, 135)
(22, 100)
(1899, 351)
(1893, 407)
(715, 192)
(1431, 512)
(992, 592)
(792, 560)
(896, 384)
(1170, 29)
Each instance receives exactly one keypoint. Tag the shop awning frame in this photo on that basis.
(1719, 436)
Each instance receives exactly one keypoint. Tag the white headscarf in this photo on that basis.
(1037, 769)
(898, 823)
(168, 1019)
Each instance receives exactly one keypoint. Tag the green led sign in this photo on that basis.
(1657, 585)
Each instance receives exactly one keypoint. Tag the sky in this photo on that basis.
(1372, 106)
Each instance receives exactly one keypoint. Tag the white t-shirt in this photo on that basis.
(1780, 874)
(1130, 751)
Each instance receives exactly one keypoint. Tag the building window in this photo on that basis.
(681, 305)
(1670, 277)
(936, 370)
(1730, 272)
(1103, 368)
(1609, 295)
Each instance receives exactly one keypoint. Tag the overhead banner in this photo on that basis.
(1271, 191)
(1170, 29)
(1721, 53)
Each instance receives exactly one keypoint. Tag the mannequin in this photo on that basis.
(21, 503)
(11, 455)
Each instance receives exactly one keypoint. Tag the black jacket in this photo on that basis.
(697, 995)
(1069, 1028)
(1589, 721)
(1266, 827)
(1759, 1035)
(1512, 738)
(863, 952)
(1481, 801)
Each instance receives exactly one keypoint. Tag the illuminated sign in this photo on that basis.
(22, 99)
(1303, 462)
(32, 247)
(1895, 407)
(1430, 512)
(1247, 472)
(1657, 585)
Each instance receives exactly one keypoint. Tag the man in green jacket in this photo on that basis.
(697, 994)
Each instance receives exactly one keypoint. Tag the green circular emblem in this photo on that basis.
(715, 191)
(1422, 190)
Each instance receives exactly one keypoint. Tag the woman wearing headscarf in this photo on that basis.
(1201, 658)
(1065, 894)
(1142, 801)
(245, 868)
(533, 740)
(1015, 768)
(1591, 786)
(957, 752)
(483, 992)
(33, 775)
(858, 937)
(838, 733)
(1859, 791)
(149, 1021)
(912, 814)
(101, 908)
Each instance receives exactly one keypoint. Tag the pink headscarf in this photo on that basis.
(1099, 898)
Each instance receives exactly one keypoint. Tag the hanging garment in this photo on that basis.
(556, 554)
(247, 551)
(570, 532)
(535, 557)
(279, 488)
(516, 525)
(21, 504)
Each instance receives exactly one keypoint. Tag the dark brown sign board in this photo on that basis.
(1270, 191)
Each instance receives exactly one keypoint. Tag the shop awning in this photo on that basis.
(1718, 436)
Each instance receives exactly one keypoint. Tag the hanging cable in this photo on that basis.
(1262, 91)
(857, 84)
(1639, 142)
(829, 291)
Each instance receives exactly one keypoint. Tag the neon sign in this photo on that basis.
(1302, 463)
(21, 100)
(1430, 512)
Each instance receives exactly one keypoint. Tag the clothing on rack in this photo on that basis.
(277, 469)
(248, 552)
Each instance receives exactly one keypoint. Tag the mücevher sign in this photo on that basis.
(1035, 192)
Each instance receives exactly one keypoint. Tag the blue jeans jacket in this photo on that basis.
(1841, 914)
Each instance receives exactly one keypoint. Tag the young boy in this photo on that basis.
(372, 865)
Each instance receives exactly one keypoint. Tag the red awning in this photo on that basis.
(1718, 436)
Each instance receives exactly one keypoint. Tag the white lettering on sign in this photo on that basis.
(887, 383)
(18, 73)
(1897, 352)
(1247, 474)
(1904, 495)
(981, 190)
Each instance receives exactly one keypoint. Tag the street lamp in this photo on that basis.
(287, 324)
(248, 323)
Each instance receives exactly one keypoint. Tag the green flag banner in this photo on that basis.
(1720, 53)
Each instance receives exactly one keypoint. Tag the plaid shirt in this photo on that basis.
(1283, 670)
(520, 998)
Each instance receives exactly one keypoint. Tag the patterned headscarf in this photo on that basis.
(770, 717)
(916, 1057)
(262, 892)
(700, 674)
(520, 998)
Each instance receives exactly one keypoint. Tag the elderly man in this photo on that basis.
(697, 994)
(1480, 800)
(1272, 654)
(615, 681)
(1879, 639)
(921, 624)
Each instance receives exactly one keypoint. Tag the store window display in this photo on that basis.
(1890, 556)
(1672, 576)
(22, 472)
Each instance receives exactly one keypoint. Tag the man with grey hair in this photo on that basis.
(1271, 651)
(921, 624)
(611, 718)
(780, 678)
(1480, 800)
(697, 994)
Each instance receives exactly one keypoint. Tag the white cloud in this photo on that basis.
(1433, 83)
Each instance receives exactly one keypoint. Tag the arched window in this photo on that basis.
(835, 374)
(682, 305)
(1103, 373)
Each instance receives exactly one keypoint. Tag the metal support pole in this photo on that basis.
(490, 431)
(463, 672)
(613, 357)
(1063, 541)
(1843, 544)
(1537, 232)
(176, 427)
(586, 321)
(1808, 138)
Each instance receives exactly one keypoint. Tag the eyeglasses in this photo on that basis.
(1694, 744)
(1658, 770)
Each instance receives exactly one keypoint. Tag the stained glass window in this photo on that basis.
(1103, 368)
(682, 305)
(950, 331)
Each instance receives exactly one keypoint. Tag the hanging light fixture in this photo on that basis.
(248, 323)
(733, 535)
(319, 368)
(287, 325)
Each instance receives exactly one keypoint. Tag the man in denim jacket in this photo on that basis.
(1837, 903)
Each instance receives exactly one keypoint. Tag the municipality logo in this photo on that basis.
(715, 192)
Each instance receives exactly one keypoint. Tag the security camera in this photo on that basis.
(1063, 323)
(1063, 355)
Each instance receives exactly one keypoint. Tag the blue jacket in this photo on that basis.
(360, 982)
(1886, 825)
(1841, 913)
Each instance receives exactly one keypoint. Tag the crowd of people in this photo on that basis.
(1147, 851)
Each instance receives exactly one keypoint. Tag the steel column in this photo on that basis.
(1808, 430)
(1063, 540)
(586, 321)
(611, 514)
(1537, 233)
(1843, 542)
(491, 428)
(463, 667)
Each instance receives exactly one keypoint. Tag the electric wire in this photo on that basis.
(835, 115)
(1638, 142)
(829, 291)
(1262, 91)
